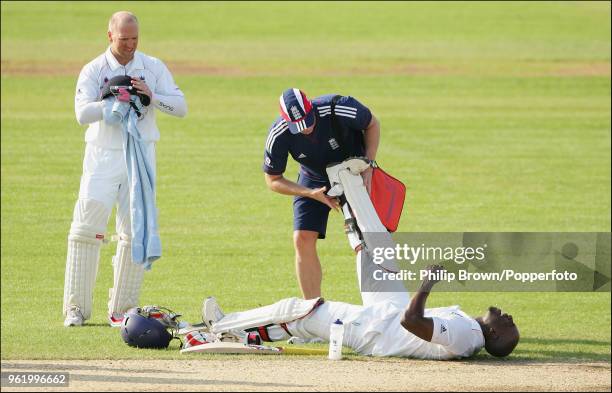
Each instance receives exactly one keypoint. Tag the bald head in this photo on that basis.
(120, 19)
(123, 36)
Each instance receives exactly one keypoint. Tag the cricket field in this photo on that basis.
(496, 116)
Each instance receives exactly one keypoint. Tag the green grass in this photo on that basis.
(494, 115)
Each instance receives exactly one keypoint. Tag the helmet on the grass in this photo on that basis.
(146, 328)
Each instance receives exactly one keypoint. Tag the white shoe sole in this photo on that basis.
(208, 311)
(71, 323)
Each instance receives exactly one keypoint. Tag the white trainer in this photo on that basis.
(211, 312)
(74, 317)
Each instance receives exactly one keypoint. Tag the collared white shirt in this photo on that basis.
(167, 97)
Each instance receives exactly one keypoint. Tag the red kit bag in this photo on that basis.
(387, 195)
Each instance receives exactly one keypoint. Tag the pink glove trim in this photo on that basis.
(124, 95)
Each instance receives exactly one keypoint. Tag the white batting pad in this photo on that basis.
(346, 176)
(86, 234)
(350, 227)
(284, 311)
(353, 165)
(127, 279)
(357, 196)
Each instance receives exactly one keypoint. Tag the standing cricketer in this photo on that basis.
(104, 180)
(305, 130)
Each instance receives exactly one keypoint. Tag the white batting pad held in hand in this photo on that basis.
(347, 174)
(357, 196)
(86, 234)
(353, 165)
(349, 227)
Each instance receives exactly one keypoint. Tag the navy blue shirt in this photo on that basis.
(317, 150)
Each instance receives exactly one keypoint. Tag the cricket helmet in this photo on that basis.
(144, 329)
(112, 86)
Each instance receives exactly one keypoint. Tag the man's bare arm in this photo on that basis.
(372, 138)
(278, 183)
(414, 320)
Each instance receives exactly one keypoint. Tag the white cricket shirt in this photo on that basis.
(167, 97)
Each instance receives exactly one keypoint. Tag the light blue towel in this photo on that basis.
(146, 244)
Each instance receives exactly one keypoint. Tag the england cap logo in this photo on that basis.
(296, 109)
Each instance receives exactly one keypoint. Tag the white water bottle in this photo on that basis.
(336, 333)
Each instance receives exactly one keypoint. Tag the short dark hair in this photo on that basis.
(503, 345)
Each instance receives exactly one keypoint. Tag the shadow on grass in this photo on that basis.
(532, 340)
(591, 350)
(544, 356)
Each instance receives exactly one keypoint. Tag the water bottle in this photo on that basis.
(336, 333)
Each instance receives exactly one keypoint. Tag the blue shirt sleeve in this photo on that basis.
(277, 149)
(353, 113)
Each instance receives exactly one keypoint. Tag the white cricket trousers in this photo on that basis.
(103, 184)
(364, 324)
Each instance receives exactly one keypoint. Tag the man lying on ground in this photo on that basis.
(387, 324)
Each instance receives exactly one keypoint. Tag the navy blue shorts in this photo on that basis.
(309, 214)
